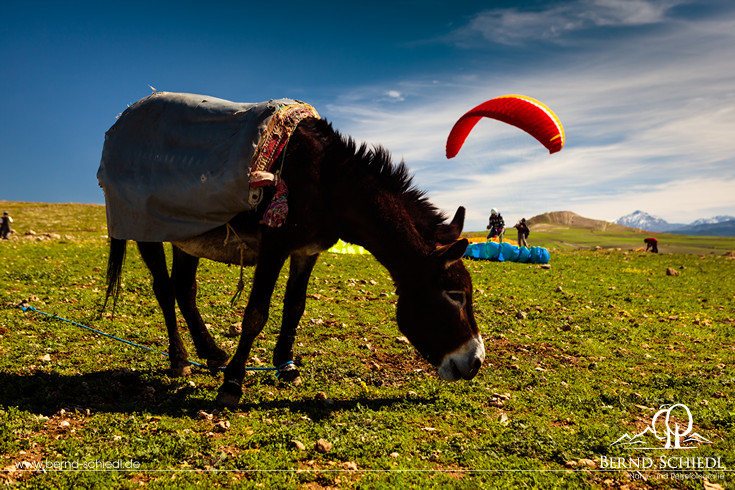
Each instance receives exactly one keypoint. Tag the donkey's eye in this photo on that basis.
(459, 298)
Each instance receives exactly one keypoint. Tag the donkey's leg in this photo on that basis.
(155, 258)
(256, 315)
(294, 303)
(183, 275)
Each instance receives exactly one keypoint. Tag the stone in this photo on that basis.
(202, 415)
(235, 330)
(322, 446)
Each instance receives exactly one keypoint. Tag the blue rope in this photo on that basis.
(222, 368)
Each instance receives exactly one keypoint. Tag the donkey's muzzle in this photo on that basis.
(465, 362)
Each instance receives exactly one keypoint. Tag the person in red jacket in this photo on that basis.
(651, 244)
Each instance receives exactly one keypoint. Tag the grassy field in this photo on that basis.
(578, 355)
(566, 238)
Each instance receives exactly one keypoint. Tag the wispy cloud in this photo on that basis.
(395, 96)
(558, 20)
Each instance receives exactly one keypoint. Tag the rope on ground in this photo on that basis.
(99, 332)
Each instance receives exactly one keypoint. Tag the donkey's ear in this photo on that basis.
(449, 233)
(446, 255)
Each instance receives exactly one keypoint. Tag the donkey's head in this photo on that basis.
(435, 308)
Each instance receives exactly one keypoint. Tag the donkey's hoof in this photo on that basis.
(178, 371)
(290, 374)
(227, 400)
(218, 354)
(229, 394)
(214, 364)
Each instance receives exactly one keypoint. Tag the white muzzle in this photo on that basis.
(464, 362)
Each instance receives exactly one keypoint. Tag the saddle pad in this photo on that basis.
(177, 165)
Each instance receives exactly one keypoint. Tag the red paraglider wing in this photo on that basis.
(523, 112)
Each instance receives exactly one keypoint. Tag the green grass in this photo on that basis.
(607, 338)
(36, 220)
(570, 238)
(560, 238)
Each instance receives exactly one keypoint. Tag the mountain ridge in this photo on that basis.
(569, 219)
(721, 225)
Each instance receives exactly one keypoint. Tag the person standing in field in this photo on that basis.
(5, 230)
(651, 244)
(523, 232)
(496, 225)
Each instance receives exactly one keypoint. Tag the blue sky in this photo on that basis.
(645, 90)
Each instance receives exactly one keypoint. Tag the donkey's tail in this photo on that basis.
(114, 271)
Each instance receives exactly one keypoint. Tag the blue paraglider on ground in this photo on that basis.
(507, 252)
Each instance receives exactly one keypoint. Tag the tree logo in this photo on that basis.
(666, 428)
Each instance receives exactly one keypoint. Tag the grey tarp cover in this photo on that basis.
(175, 165)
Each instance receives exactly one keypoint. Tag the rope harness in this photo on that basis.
(241, 246)
(99, 332)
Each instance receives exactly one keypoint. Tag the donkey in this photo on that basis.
(337, 189)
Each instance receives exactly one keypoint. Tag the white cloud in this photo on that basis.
(394, 95)
(514, 26)
(694, 198)
(625, 12)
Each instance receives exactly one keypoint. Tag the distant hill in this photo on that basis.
(714, 226)
(568, 218)
(724, 228)
(711, 221)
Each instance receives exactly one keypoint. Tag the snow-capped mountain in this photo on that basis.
(715, 226)
(722, 228)
(711, 221)
(645, 221)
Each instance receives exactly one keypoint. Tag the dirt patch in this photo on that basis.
(506, 353)
(398, 362)
(26, 463)
(390, 369)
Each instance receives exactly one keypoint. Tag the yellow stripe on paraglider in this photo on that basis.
(543, 107)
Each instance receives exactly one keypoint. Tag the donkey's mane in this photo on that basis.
(374, 163)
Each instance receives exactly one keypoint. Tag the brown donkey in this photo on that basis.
(337, 189)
